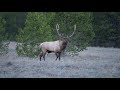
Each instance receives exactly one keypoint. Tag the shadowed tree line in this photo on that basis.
(106, 26)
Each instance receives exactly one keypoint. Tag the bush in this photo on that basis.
(36, 30)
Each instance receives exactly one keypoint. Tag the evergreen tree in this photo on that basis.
(114, 18)
(40, 27)
(106, 27)
(3, 40)
(84, 31)
(14, 20)
(37, 29)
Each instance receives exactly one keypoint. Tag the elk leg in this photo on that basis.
(59, 55)
(44, 56)
(56, 55)
(41, 54)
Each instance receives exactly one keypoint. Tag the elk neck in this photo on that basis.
(63, 44)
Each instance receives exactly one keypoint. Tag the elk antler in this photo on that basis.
(57, 28)
(73, 31)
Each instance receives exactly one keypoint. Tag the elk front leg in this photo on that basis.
(59, 54)
(56, 55)
(44, 56)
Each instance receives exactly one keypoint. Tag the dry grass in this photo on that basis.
(94, 62)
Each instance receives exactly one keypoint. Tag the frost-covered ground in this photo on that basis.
(94, 62)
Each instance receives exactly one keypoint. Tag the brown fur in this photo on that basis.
(57, 53)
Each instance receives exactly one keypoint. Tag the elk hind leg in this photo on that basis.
(41, 55)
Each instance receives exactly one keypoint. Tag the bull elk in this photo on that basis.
(55, 46)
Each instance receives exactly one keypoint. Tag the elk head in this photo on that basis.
(64, 40)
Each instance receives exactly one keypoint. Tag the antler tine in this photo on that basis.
(57, 28)
(73, 31)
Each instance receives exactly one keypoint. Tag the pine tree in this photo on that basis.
(106, 27)
(37, 30)
(14, 20)
(3, 40)
(84, 31)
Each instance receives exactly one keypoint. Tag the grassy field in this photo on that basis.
(95, 62)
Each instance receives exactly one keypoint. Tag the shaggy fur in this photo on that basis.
(53, 47)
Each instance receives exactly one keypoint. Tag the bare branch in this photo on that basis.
(73, 31)
(57, 28)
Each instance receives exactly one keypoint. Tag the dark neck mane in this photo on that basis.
(63, 44)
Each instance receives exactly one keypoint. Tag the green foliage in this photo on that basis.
(40, 27)
(84, 30)
(3, 42)
(106, 27)
(14, 20)
(32, 28)
(37, 29)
